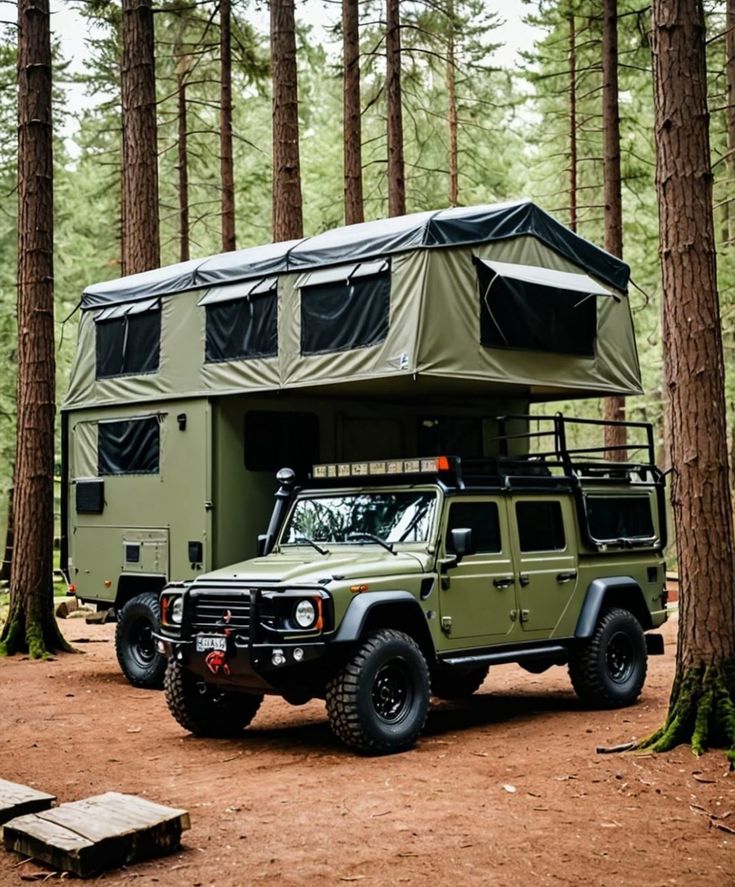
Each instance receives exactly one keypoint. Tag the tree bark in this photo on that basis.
(572, 124)
(702, 708)
(354, 209)
(452, 109)
(182, 166)
(227, 172)
(613, 408)
(396, 166)
(287, 205)
(730, 111)
(141, 242)
(31, 624)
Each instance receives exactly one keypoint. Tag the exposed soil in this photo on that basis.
(504, 789)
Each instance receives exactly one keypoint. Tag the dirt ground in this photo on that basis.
(503, 789)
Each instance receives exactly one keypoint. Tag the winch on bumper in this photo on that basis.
(256, 638)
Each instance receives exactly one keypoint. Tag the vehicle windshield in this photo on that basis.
(354, 517)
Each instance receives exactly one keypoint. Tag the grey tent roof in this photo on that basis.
(459, 226)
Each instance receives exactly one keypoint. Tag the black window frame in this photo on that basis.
(140, 442)
(607, 503)
(554, 524)
(246, 324)
(117, 330)
(478, 546)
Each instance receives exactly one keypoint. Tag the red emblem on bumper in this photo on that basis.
(216, 662)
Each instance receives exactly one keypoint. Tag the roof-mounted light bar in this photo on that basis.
(383, 467)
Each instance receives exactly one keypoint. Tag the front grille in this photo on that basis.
(216, 611)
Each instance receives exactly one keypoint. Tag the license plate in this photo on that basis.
(206, 643)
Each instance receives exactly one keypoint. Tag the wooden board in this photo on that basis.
(102, 832)
(17, 800)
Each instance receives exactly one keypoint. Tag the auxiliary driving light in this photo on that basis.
(277, 657)
(298, 654)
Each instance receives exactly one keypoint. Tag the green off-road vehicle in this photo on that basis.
(383, 583)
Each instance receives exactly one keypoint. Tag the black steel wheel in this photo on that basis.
(608, 670)
(205, 709)
(457, 683)
(135, 645)
(378, 702)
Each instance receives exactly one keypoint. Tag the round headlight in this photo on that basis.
(305, 614)
(176, 612)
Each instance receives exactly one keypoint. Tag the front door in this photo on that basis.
(545, 560)
(477, 597)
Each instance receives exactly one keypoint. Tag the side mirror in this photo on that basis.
(262, 547)
(462, 543)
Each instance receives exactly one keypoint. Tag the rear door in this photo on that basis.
(545, 559)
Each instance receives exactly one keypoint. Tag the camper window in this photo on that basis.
(128, 339)
(129, 446)
(345, 308)
(540, 311)
(275, 440)
(242, 320)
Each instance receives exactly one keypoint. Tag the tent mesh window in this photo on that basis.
(619, 517)
(528, 316)
(129, 446)
(341, 315)
(242, 328)
(128, 344)
(280, 439)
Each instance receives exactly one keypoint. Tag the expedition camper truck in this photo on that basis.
(192, 384)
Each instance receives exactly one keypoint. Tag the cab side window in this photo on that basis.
(480, 517)
(540, 526)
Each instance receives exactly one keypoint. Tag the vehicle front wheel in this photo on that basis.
(378, 702)
(608, 670)
(135, 645)
(457, 683)
(204, 709)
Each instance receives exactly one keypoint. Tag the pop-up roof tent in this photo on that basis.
(496, 300)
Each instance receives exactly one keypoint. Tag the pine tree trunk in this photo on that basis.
(354, 209)
(7, 568)
(452, 109)
(613, 408)
(287, 206)
(730, 112)
(396, 166)
(31, 624)
(182, 166)
(141, 244)
(702, 705)
(227, 172)
(572, 124)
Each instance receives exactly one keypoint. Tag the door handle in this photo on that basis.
(524, 578)
(503, 582)
(566, 577)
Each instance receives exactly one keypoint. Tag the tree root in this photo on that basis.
(32, 637)
(701, 712)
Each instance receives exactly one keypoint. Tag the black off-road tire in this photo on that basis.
(378, 702)
(204, 709)
(609, 669)
(135, 645)
(457, 683)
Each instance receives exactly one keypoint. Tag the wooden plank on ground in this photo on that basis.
(102, 832)
(17, 800)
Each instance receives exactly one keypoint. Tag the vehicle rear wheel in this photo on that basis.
(135, 645)
(608, 670)
(378, 702)
(457, 683)
(204, 709)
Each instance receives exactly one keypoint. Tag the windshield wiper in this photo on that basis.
(360, 535)
(312, 543)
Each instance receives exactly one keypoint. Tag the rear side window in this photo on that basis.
(275, 440)
(619, 517)
(131, 446)
(540, 526)
(128, 339)
(482, 519)
(349, 312)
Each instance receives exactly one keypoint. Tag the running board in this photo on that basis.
(502, 656)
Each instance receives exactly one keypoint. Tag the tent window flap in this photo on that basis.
(129, 446)
(537, 309)
(241, 329)
(128, 339)
(341, 315)
(242, 290)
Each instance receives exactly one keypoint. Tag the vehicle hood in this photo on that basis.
(310, 567)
